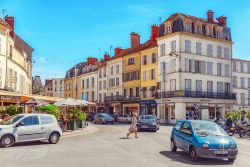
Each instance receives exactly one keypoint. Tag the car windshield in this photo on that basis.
(11, 120)
(208, 129)
(107, 115)
(148, 117)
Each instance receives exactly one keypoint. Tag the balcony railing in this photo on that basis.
(196, 94)
(119, 98)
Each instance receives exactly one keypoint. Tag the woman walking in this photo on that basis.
(133, 126)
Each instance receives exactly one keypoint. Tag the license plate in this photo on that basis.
(220, 152)
(144, 126)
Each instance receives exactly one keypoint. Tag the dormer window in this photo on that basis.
(209, 32)
(198, 29)
(219, 34)
(187, 27)
(168, 29)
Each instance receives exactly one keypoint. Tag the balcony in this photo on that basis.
(195, 94)
(120, 98)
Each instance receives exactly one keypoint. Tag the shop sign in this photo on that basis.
(10, 98)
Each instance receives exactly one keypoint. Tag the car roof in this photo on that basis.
(33, 114)
(195, 121)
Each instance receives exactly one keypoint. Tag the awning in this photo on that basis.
(148, 102)
(144, 88)
(152, 88)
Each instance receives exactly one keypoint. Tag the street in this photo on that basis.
(108, 147)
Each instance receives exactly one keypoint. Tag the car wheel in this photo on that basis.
(193, 154)
(158, 128)
(7, 141)
(231, 159)
(173, 146)
(54, 138)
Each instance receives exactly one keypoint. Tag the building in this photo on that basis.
(102, 83)
(15, 59)
(149, 74)
(58, 87)
(37, 86)
(195, 60)
(241, 84)
(48, 88)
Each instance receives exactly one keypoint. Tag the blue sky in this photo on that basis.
(65, 32)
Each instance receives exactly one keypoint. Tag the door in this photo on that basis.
(176, 135)
(47, 125)
(185, 139)
(30, 130)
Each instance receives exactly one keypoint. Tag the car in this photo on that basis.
(90, 116)
(148, 122)
(203, 139)
(103, 118)
(29, 127)
(125, 118)
(115, 116)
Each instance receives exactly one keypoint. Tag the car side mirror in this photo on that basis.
(19, 124)
(186, 131)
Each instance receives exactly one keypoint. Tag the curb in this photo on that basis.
(88, 130)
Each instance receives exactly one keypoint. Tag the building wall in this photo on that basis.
(58, 87)
(102, 84)
(146, 71)
(68, 87)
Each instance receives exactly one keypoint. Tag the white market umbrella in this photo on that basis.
(85, 103)
(68, 102)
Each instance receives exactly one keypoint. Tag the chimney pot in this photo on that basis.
(154, 31)
(118, 50)
(135, 40)
(10, 21)
(210, 16)
(222, 21)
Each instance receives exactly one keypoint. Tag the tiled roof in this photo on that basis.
(21, 45)
(4, 23)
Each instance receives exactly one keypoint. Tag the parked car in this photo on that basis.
(148, 122)
(90, 116)
(203, 139)
(103, 118)
(115, 116)
(29, 127)
(125, 118)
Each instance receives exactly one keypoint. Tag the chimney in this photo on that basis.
(118, 50)
(154, 31)
(135, 40)
(210, 16)
(92, 60)
(222, 21)
(10, 21)
(106, 57)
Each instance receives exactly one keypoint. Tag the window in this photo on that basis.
(137, 91)
(173, 46)
(131, 93)
(162, 49)
(210, 68)
(199, 85)
(111, 82)
(187, 46)
(248, 82)
(241, 67)
(92, 95)
(188, 85)
(234, 65)
(100, 73)
(219, 87)
(198, 29)
(117, 69)
(173, 65)
(219, 69)
(144, 75)
(83, 84)
(104, 84)
(131, 61)
(227, 70)
(45, 119)
(30, 120)
(61, 81)
(117, 81)
(88, 83)
(248, 67)
(219, 51)
(242, 98)
(125, 93)
(104, 72)
(153, 58)
(210, 86)
(198, 48)
(209, 32)
(93, 81)
(172, 85)
(112, 70)
(234, 81)
(100, 97)
(210, 50)
(187, 27)
(242, 82)
(11, 51)
(178, 126)
(144, 60)
(100, 85)
(152, 74)
(226, 53)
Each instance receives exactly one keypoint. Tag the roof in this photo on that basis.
(48, 82)
(4, 23)
(21, 45)
(72, 70)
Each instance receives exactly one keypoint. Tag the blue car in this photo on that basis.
(203, 139)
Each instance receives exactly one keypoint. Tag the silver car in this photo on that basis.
(29, 127)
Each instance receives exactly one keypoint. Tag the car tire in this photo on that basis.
(231, 160)
(7, 141)
(173, 146)
(193, 154)
(54, 137)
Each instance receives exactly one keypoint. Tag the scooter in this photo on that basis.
(245, 130)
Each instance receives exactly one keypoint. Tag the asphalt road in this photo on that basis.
(108, 147)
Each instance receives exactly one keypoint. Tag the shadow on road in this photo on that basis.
(25, 144)
(183, 157)
(123, 138)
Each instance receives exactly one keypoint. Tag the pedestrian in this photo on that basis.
(133, 126)
(229, 122)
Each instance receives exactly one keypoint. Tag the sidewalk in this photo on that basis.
(86, 130)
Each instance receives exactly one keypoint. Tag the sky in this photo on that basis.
(66, 32)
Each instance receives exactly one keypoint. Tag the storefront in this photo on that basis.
(113, 108)
(148, 107)
(129, 108)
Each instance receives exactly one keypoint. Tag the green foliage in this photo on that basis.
(234, 113)
(12, 110)
(75, 114)
(82, 116)
(49, 109)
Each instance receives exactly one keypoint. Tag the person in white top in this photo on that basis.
(133, 126)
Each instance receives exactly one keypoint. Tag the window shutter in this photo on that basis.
(186, 64)
(193, 65)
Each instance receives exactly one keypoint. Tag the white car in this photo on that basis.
(125, 118)
(29, 127)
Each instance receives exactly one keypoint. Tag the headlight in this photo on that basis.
(233, 146)
(205, 146)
